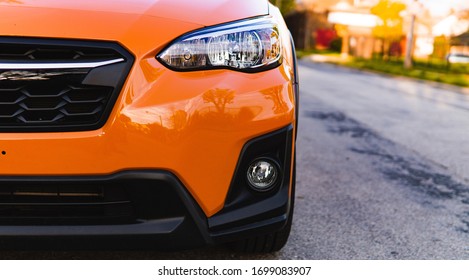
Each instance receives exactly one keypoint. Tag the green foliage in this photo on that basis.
(336, 45)
(285, 6)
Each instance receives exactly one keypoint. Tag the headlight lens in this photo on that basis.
(250, 45)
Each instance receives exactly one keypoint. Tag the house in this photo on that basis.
(321, 17)
(454, 30)
(355, 23)
(460, 43)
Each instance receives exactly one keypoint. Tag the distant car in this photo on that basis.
(169, 122)
(457, 58)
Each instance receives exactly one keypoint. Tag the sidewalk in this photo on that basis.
(326, 58)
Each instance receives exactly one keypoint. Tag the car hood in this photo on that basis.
(206, 12)
(132, 22)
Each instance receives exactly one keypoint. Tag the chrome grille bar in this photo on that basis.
(71, 65)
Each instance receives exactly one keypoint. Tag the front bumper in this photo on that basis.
(147, 207)
(193, 125)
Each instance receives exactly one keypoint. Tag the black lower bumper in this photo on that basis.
(144, 208)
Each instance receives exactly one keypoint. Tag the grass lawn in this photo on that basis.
(456, 74)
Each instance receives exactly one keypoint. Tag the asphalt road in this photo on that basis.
(382, 174)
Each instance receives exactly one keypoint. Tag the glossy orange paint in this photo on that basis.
(193, 124)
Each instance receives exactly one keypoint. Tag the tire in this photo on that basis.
(271, 242)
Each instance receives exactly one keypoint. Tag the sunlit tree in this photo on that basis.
(389, 27)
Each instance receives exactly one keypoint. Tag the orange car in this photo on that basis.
(170, 122)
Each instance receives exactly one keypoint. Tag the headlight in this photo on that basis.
(249, 45)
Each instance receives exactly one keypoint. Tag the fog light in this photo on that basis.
(262, 175)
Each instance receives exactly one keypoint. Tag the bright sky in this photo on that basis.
(442, 7)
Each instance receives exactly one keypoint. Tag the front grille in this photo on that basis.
(89, 202)
(59, 85)
(52, 104)
(70, 203)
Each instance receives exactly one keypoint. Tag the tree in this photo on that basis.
(285, 6)
(390, 23)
